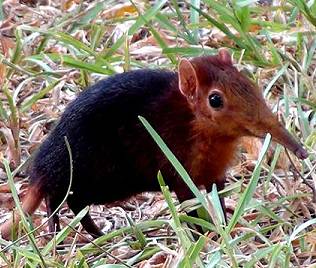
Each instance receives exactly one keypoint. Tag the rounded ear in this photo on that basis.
(187, 78)
(225, 56)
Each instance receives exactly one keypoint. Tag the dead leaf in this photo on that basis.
(13, 153)
(119, 10)
(158, 260)
(255, 28)
(5, 188)
(31, 3)
(69, 4)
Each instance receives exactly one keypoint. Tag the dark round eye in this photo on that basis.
(215, 100)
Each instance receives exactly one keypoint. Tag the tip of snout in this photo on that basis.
(301, 153)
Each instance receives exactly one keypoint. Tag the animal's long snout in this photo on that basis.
(282, 136)
(268, 123)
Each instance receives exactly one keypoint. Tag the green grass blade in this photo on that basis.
(26, 105)
(75, 63)
(62, 37)
(21, 213)
(247, 195)
(174, 161)
(148, 15)
(65, 231)
(300, 228)
(194, 18)
(176, 224)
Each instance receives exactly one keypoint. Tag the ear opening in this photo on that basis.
(187, 78)
(225, 56)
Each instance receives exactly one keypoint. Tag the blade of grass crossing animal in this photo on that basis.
(63, 234)
(248, 193)
(174, 161)
(186, 178)
(176, 224)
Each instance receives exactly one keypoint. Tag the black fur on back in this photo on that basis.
(113, 155)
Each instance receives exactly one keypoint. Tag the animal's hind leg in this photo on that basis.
(87, 222)
(53, 222)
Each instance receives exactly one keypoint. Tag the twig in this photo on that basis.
(302, 177)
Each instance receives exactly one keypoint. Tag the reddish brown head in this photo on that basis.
(226, 103)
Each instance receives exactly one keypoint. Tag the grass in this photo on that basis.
(273, 220)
